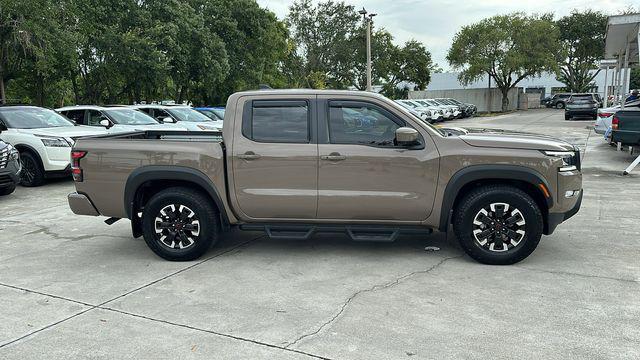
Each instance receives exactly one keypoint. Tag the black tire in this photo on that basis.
(567, 117)
(32, 173)
(560, 105)
(7, 190)
(470, 208)
(204, 213)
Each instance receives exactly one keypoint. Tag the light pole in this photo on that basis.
(368, 19)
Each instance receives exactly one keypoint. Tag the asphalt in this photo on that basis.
(73, 287)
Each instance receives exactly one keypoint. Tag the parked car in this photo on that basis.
(447, 112)
(44, 139)
(468, 110)
(581, 105)
(9, 166)
(455, 109)
(605, 116)
(625, 127)
(425, 112)
(214, 113)
(183, 116)
(291, 171)
(114, 118)
(559, 100)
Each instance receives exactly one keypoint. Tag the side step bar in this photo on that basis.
(379, 233)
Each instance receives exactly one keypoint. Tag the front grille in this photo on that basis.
(5, 180)
(4, 157)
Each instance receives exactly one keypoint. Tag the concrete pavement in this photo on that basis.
(73, 287)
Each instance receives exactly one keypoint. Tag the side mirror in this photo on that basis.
(168, 120)
(406, 136)
(106, 123)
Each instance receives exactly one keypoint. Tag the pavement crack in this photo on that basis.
(373, 288)
(47, 231)
(234, 337)
(587, 276)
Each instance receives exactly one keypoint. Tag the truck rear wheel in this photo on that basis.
(180, 224)
(498, 224)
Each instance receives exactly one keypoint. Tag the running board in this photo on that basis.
(376, 233)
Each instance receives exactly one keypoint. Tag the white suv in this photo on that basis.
(182, 115)
(43, 138)
(115, 119)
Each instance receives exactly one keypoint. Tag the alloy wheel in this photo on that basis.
(177, 227)
(27, 174)
(499, 227)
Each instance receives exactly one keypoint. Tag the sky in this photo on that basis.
(435, 22)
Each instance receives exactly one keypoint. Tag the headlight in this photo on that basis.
(54, 142)
(13, 153)
(569, 159)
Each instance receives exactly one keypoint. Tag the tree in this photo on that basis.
(409, 64)
(508, 48)
(582, 42)
(634, 78)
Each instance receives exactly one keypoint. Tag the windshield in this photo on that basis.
(33, 118)
(213, 114)
(422, 102)
(455, 102)
(582, 98)
(188, 114)
(129, 117)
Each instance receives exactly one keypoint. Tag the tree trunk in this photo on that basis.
(505, 100)
(3, 98)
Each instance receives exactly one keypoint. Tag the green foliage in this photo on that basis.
(582, 37)
(330, 38)
(508, 48)
(634, 78)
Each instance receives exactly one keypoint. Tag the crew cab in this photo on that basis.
(293, 163)
(43, 138)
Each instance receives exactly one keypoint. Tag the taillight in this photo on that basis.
(604, 115)
(615, 122)
(76, 171)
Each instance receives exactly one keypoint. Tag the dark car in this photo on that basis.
(9, 167)
(558, 101)
(581, 105)
(214, 113)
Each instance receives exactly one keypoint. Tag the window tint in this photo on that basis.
(75, 115)
(280, 121)
(94, 118)
(361, 124)
(160, 114)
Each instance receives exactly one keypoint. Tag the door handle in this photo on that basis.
(334, 156)
(249, 155)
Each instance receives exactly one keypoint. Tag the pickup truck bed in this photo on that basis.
(626, 127)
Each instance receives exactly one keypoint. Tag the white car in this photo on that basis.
(44, 139)
(184, 116)
(116, 119)
(605, 116)
(430, 113)
(447, 112)
(454, 109)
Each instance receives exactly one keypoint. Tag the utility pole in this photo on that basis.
(368, 20)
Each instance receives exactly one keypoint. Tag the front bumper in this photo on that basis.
(555, 219)
(10, 175)
(81, 205)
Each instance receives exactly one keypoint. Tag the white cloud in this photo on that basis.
(435, 22)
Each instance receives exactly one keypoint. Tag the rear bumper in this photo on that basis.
(555, 219)
(81, 205)
(588, 111)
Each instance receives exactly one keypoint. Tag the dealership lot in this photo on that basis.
(74, 287)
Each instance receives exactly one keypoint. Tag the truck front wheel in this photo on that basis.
(180, 224)
(498, 224)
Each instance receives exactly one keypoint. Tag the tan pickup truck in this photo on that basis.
(293, 163)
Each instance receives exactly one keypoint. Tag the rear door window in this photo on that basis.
(278, 121)
(75, 115)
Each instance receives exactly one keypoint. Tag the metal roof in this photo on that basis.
(622, 30)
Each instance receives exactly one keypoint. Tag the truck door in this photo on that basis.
(275, 158)
(362, 175)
